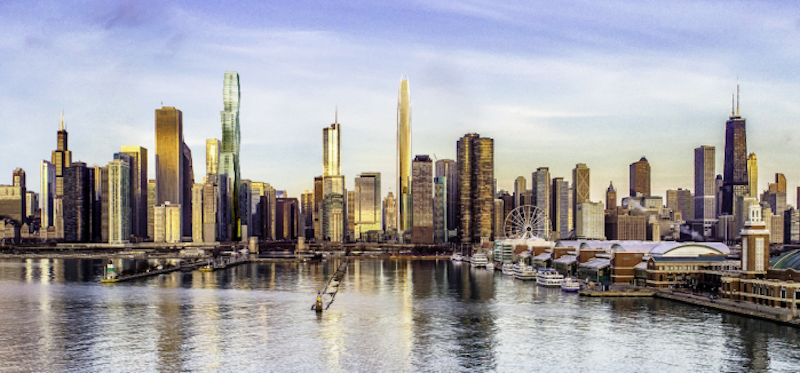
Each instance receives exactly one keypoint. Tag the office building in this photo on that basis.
(775, 195)
(389, 213)
(211, 214)
(705, 188)
(77, 202)
(101, 202)
(367, 206)
(640, 178)
(541, 183)
(422, 200)
(198, 228)
(449, 169)
(475, 188)
(752, 175)
(167, 223)
(318, 208)
(680, 202)
(229, 151)
(47, 195)
(580, 186)
(245, 201)
(212, 156)
(174, 175)
(611, 197)
(334, 213)
(138, 189)
(520, 188)
(589, 222)
(626, 227)
(152, 200)
(440, 210)
(307, 206)
(559, 208)
(286, 211)
(119, 198)
(735, 179)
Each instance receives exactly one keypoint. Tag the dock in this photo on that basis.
(617, 293)
(138, 275)
(779, 315)
(331, 288)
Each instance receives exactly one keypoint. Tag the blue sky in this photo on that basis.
(595, 82)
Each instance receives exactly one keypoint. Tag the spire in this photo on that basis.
(737, 96)
(61, 125)
(336, 115)
(733, 105)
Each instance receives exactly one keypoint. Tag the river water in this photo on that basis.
(389, 315)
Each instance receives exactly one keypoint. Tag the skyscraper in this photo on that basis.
(704, 184)
(172, 166)
(440, 209)
(78, 192)
(119, 198)
(519, 192)
(334, 204)
(231, 138)
(448, 168)
(307, 206)
(404, 157)
(679, 201)
(475, 187)
(212, 156)
(734, 178)
(152, 200)
(138, 189)
(559, 208)
(422, 199)
(367, 204)
(389, 213)
(61, 160)
(752, 175)
(611, 198)
(640, 178)
(580, 186)
(47, 195)
(540, 182)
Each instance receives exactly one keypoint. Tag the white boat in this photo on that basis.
(490, 266)
(508, 269)
(479, 260)
(524, 271)
(549, 277)
(570, 284)
(456, 257)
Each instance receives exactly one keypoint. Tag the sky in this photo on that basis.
(553, 83)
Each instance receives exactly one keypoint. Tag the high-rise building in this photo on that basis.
(704, 185)
(580, 186)
(680, 202)
(640, 178)
(167, 223)
(475, 187)
(318, 208)
(61, 160)
(31, 204)
(499, 219)
(422, 200)
(350, 205)
(119, 198)
(589, 224)
(211, 212)
(286, 211)
(307, 206)
(440, 212)
(212, 156)
(198, 228)
(752, 175)
(519, 192)
(245, 210)
(540, 182)
(559, 208)
(138, 189)
(775, 195)
(389, 213)
(231, 138)
(367, 204)
(13, 198)
(448, 168)
(404, 212)
(611, 197)
(152, 200)
(102, 200)
(334, 213)
(626, 227)
(77, 202)
(331, 149)
(735, 180)
(47, 195)
(174, 176)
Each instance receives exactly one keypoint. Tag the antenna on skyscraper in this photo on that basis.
(733, 106)
(336, 115)
(737, 96)
(434, 157)
(61, 123)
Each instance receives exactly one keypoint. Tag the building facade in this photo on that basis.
(640, 178)
(422, 200)
(475, 188)
(404, 212)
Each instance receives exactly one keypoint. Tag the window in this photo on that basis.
(783, 293)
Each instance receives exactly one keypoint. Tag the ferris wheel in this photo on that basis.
(527, 222)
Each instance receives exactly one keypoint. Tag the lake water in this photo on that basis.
(389, 315)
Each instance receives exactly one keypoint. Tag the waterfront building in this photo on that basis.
(404, 208)
(389, 213)
(77, 202)
(286, 210)
(367, 204)
(138, 189)
(422, 200)
(307, 206)
(559, 208)
(735, 180)
(611, 197)
(640, 178)
(580, 186)
(475, 187)
(589, 221)
(212, 156)
(449, 169)
(152, 200)
(440, 210)
(520, 188)
(174, 175)
(540, 181)
(167, 223)
(47, 195)
(229, 150)
(197, 213)
(119, 198)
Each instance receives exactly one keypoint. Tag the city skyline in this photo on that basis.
(679, 79)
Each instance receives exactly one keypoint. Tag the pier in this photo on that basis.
(331, 288)
(139, 275)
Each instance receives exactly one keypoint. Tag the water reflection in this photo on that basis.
(390, 315)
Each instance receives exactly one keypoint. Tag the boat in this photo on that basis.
(524, 271)
(570, 284)
(508, 269)
(479, 260)
(549, 277)
(490, 266)
(456, 257)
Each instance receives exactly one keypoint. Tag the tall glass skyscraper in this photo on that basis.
(734, 179)
(231, 138)
(404, 156)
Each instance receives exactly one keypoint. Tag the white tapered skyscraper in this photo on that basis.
(404, 209)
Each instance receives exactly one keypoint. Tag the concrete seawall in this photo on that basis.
(779, 315)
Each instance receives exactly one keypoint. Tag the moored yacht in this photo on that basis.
(549, 277)
(455, 257)
(508, 269)
(490, 266)
(479, 260)
(570, 284)
(524, 271)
